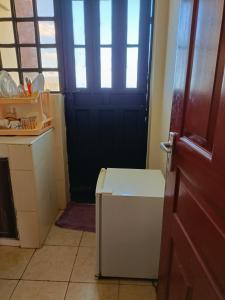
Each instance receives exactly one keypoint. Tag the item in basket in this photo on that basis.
(11, 115)
(4, 123)
(14, 124)
(21, 90)
(29, 123)
(8, 86)
(38, 83)
(29, 86)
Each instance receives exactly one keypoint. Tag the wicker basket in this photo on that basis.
(27, 115)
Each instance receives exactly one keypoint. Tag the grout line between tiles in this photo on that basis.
(22, 274)
(134, 283)
(67, 287)
(72, 246)
(73, 265)
(28, 264)
(10, 297)
(87, 247)
(83, 282)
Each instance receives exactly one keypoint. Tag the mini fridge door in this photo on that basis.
(129, 207)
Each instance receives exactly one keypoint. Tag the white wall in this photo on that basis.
(163, 66)
(60, 151)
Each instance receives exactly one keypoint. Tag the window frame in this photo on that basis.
(38, 45)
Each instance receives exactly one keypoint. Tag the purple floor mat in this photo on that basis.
(78, 216)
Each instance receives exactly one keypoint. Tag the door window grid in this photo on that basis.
(105, 44)
(32, 43)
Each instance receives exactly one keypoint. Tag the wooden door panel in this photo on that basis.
(193, 162)
(198, 281)
(193, 245)
(203, 71)
(180, 288)
(219, 141)
(192, 212)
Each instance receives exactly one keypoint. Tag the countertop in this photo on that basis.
(22, 140)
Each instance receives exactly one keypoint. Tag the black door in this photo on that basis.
(106, 53)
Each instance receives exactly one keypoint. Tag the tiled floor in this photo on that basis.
(63, 269)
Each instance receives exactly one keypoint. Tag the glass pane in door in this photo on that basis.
(105, 22)
(132, 67)
(133, 17)
(106, 67)
(78, 22)
(80, 67)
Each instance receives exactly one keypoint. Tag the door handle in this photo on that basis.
(168, 147)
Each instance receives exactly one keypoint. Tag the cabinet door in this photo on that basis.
(7, 213)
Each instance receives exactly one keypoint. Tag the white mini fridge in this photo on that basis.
(129, 209)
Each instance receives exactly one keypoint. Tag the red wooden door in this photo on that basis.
(192, 264)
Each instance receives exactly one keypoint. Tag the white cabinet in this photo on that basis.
(32, 170)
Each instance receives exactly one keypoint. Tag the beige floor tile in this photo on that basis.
(51, 263)
(6, 288)
(63, 237)
(85, 267)
(135, 292)
(13, 261)
(88, 239)
(91, 291)
(135, 282)
(40, 290)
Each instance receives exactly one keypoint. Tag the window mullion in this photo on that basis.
(92, 44)
(16, 37)
(144, 35)
(37, 37)
(119, 31)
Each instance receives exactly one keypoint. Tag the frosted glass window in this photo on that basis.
(51, 81)
(45, 8)
(5, 13)
(80, 67)
(26, 32)
(132, 67)
(15, 77)
(106, 22)
(49, 58)
(106, 67)
(6, 33)
(8, 56)
(24, 8)
(29, 57)
(47, 32)
(133, 16)
(78, 23)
